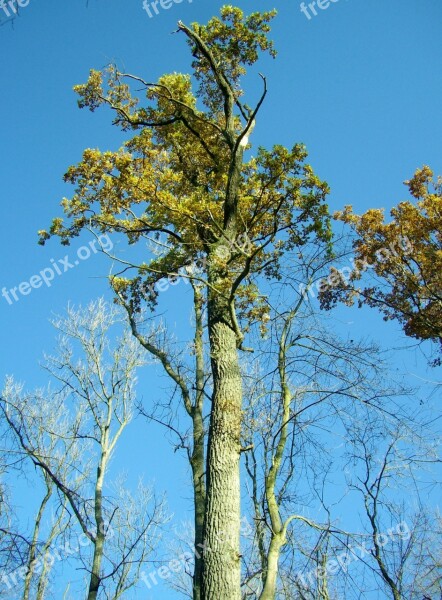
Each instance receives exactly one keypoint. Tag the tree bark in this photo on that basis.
(34, 543)
(221, 568)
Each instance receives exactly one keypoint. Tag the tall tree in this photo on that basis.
(184, 174)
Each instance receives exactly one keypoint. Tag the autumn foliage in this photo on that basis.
(404, 280)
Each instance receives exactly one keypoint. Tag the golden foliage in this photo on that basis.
(406, 259)
(182, 174)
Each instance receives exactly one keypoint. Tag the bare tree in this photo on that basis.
(403, 530)
(70, 434)
(32, 569)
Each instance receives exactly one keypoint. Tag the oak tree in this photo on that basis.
(184, 173)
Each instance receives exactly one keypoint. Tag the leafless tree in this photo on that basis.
(70, 433)
(389, 472)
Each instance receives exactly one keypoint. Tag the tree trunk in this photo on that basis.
(278, 536)
(269, 590)
(34, 543)
(95, 578)
(221, 563)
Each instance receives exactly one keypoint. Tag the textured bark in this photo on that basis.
(222, 569)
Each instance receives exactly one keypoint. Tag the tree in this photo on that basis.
(184, 175)
(402, 529)
(70, 435)
(334, 395)
(309, 394)
(310, 380)
(30, 548)
(405, 256)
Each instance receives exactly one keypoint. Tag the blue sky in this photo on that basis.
(359, 84)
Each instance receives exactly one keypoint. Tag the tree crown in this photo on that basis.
(183, 174)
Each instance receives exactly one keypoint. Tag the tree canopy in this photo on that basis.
(405, 255)
(183, 175)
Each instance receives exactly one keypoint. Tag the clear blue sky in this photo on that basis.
(360, 84)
